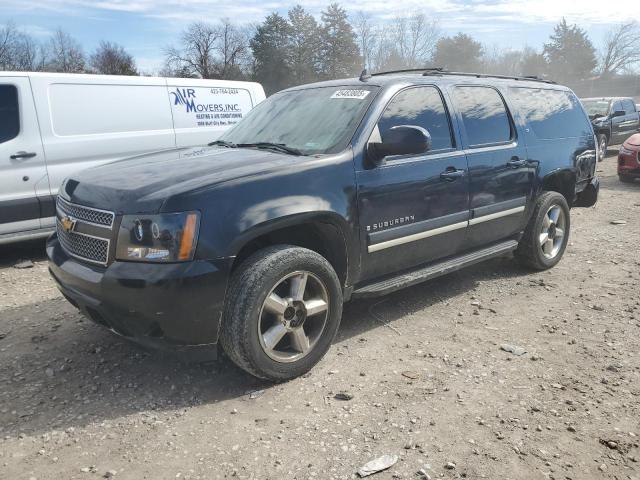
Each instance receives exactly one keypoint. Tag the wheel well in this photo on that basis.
(321, 237)
(563, 183)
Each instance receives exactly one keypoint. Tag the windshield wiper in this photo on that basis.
(281, 147)
(222, 143)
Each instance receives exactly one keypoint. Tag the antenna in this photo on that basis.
(364, 76)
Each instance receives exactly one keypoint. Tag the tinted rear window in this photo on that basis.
(552, 113)
(484, 115)
(9, 116)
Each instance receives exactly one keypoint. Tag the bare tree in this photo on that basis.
(197, 51)
(416, 39)
(210, 51)
(18, 51)
(621, 49)
(112, 59)
(64, 54)
(404, 42)
(367, 38)
(232, 49)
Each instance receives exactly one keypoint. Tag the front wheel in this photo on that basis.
(547, 233)
(283, 310)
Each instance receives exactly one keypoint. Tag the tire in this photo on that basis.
(532, 252)
(251, 325)
(603, 143)
(626, 178)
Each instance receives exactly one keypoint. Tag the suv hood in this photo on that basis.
(142, 184)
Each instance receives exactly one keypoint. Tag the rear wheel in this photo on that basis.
(603, 143)
(546, 236)
(283, 311)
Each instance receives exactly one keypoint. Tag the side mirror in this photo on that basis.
(618, 113)
(400, 140)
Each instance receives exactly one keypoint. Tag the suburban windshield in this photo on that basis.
(596, 108)
(312, 121)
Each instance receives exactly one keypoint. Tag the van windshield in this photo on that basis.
(596, 108)
(313, 120)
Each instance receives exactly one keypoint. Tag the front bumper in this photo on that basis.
(174, 306)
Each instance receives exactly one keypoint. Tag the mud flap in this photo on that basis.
(589, 196)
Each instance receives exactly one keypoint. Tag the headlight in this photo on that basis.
(626, 151)
(167, 237)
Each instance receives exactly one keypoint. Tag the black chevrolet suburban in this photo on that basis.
(614, 120)
(324, 192)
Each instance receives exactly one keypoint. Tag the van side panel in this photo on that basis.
(203, 109)
(89, 121)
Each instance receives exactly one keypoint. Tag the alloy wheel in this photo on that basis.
(603, 148)
(293, 317)
(552, 232)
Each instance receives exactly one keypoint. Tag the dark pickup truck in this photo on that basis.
(324, 192)
(614, 120)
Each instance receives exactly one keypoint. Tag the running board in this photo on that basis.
(414, 277)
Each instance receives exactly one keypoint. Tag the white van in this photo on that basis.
(52, 125)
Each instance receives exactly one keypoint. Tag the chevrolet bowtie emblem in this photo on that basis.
(67, 223)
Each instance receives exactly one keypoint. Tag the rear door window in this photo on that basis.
(484, 115)
(552, 113)
(9, 113)
(423, 107)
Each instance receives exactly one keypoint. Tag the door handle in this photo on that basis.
(451, 174)
(22, 155)
(516, 162)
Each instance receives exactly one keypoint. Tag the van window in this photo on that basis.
(85, 109)
(484, 115)
(9, 115)
(421, 106)
(552, 113)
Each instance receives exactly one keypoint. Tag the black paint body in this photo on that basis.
(248, 198)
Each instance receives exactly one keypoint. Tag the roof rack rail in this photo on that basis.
(441, 71)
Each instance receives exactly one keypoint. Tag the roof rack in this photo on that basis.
(440, 71)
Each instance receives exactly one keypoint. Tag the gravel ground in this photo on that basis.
(429, 381)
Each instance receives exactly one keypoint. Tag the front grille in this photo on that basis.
(83, 240)
(94, 216)
(85, 247)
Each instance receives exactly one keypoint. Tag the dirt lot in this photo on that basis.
(429, 381)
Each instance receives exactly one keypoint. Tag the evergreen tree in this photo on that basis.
(305, 49)
(340, 52)
(271, 46)
(459, 53)
(569, 53)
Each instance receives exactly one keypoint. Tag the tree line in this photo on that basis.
(297, 48)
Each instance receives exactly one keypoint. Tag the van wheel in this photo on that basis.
(547, 233)
(603, 143)
(283, 310)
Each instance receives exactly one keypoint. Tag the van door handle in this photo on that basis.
(516, 162)
(451, 174)
(22, 155)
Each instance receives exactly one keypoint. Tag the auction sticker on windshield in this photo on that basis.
(356, 94)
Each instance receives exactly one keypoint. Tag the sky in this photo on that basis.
(145, 27)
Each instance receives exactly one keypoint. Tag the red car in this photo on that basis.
(628, 165)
